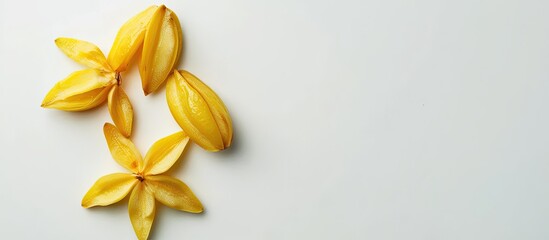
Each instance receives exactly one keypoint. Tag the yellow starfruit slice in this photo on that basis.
(142, 209)
(174, 193)
(122, 149)
(83, 52)
(109, 189)
(199, 111)
(121, 110)
(164, 153)
(129, 39)
(161, 49)
(82, 90)
(217, 107)
(147, 185)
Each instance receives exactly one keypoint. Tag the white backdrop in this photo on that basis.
(399, 119)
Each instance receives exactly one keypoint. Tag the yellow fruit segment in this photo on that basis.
(129, 39)
(164, 153)
(217, 107)
(174, 193)
(142, 209)
(122, 149)
(179, 39)
(199, 111)
(161, 48)
(109, 189)
(83, 52)
(121, 110)
(82, 90)
(192, 113)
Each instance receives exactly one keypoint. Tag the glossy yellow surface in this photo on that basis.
(217, 107)
(122, 149)
(199, 111)
(121, 110)
(84, 53)
(89, 88)
(161, 49)
(142, 210)
(147, 185)
(129, 39)
(109, 189)
(82, 90)
(174, 193)
(164, 153)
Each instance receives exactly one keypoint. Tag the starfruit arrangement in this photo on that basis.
(153, 39)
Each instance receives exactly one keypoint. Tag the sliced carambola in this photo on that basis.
(83, 52)
(121, 110)
(82, 90)
(161, 49)
(199, 111)
(129, 39)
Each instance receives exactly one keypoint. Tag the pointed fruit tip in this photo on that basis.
(57, 41)
(45, 104)
(213, 150)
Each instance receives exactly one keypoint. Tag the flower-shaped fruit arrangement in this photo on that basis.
(154, 37)
(145, 180)
(156, 31)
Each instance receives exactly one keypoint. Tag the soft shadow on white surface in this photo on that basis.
(353, 119)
